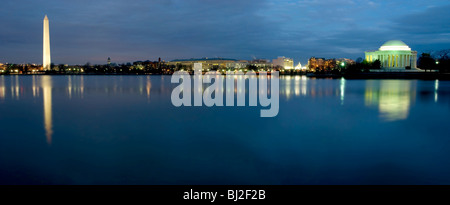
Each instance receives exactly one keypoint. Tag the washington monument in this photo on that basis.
(46, 54)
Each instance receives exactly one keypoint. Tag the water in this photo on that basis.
(124, 130)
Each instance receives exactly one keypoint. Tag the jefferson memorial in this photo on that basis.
(394, 54)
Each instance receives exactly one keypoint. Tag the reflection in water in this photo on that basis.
(393, 98)
(436, 88)
(47, 90)
(15, 87)
(35, 87)
(342, 88)
(300, 86)
(69, 86)
(297, 85)
(141, 86)
(75, 86)
(304, 85)
(118, 140)
(288, 87)
(2, 87)
(82, 86)
(149, 86)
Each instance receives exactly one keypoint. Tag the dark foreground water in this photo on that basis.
(125, 130)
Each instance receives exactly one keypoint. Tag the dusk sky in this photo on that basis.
(91, 31)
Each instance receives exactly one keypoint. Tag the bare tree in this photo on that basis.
(442, 54)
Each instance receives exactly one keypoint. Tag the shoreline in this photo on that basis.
(368, 75)
(400, 75)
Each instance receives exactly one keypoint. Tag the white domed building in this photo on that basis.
(394, 54)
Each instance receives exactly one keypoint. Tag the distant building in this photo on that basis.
(393, 54)
(241, 64)
(2, 68)
(146, 64)
(344, 61)
(207, 63)
(316, 63)
(261, 63)
(286, 63)
(322, 64)
(299, 67)
(109, 61)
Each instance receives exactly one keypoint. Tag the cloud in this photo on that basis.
(433, 20)
(87, 30)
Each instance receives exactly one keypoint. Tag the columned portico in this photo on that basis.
(394, 55)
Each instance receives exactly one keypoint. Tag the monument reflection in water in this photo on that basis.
(124, 130)
(47, 91)
(393, 98)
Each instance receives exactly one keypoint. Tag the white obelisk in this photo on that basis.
(46, 54)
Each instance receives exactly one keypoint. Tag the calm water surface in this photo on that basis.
(125, 130)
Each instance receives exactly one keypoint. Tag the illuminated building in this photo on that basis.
(237, 65)
(299, 66)
(261, 63)
(322, 64)
(46, 62)
(316, 63)
(393, 54)
(2, 68)
(207, 63)
(286, 63)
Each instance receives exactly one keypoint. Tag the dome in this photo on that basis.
(395, 45)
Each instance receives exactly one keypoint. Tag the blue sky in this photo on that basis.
(91, 31)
